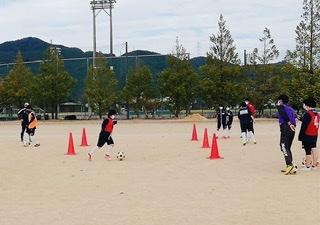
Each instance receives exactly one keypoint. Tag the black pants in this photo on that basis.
(23, 129)
(286, 139)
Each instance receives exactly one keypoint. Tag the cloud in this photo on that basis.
(152, 25)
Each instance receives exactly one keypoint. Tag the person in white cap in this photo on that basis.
(23, 117)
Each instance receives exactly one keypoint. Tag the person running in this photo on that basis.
(221, 123)
(229, 119)
(287, 125)
(32, 124)
(308, 134)
(23, 117)
(246, 123)
(105, 135)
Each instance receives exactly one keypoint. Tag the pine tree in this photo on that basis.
(264, 83)
(306, 56)
(221, 75)
(302, 68)
(222, 47)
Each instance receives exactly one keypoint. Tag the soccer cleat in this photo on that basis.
(244, 143)
(36, 145)
(108, 157)
(89, 156)
(292, 171)
(288, 169)
(314, 168)
(254, 142)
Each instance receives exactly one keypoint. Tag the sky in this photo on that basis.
(152, 25)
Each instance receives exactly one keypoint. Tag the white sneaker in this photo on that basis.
(304, 168)
(314, 168)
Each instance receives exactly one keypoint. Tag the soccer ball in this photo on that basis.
(294, 169)
(25, 144)
(120, 156)
(304, 161)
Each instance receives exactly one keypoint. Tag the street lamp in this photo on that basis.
(101, 5)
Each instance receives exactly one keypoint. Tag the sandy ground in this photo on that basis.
(165, 179)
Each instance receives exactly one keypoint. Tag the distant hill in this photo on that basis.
(77, 62)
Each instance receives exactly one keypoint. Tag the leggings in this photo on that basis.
(286, 139)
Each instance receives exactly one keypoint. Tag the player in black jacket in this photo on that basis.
(23, 117)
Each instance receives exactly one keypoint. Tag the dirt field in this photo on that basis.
(165, 179)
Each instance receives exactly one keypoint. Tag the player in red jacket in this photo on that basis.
(105, 135)
(251, 108)
(308, 134)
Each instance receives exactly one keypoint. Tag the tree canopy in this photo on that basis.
(101, 86)
(53, 85)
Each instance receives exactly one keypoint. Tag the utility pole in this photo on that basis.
(127, 71)
(245, 57)
(101, 5)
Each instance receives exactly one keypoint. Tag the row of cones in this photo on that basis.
(84, 142)
(214, 149)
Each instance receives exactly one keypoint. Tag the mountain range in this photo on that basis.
(77, 62)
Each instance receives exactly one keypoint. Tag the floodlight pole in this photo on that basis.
(101, 5)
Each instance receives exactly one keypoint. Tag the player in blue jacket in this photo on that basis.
(246, 123)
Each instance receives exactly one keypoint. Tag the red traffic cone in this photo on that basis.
(214, 149)
(84, 138)
(205, 143)
(194, 133)
(71, 146)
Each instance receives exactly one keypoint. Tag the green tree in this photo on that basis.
(53, 85)
(302, 68)
(307, 53)
(3, 95)
(100, 86)
(297, 85)
(264, 84)
(17, 84)
(139, 89)
(178, 83)
(222, 75)
(223, 48)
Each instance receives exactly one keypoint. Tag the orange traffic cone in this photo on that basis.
(71, 146)
(205, 143)
(194, 133)
(84, 138)
(214, 149)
